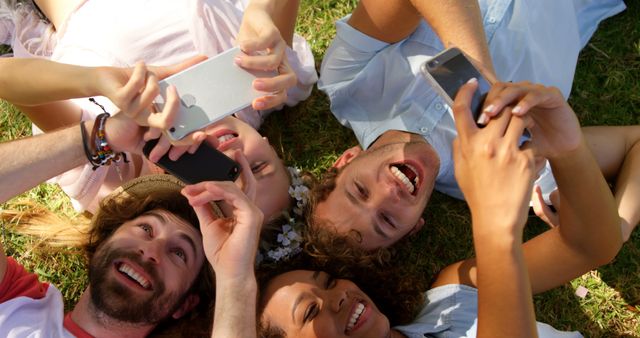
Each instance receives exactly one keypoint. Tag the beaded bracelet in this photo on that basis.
(97, 148)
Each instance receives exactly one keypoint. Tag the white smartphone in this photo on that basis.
(448, 71)
(210, 91)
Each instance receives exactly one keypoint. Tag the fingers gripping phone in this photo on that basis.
(448, 71)
(206, 164)
(210, 91)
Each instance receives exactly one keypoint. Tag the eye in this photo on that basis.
(146, 228)
(388, 220)
(180, 254)
(361, 190)
(258, 167)
(311, 312)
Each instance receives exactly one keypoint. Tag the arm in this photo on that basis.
(482, 155)
(392, 21)
(268, 25)
(230, 245)
(589, 231)
(39, 87)
(37, 81)
(32, 160)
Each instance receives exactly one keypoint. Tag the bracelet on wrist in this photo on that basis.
(96, 147)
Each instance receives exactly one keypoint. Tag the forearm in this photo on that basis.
(505, 305)
(235, 309)
(589, 221)
(38, 81)
(282, 12)
(458, 23)
(32, 160)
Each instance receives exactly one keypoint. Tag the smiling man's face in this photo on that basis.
(143, 272)
(380, 193)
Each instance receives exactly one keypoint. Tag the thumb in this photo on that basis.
(165, 71)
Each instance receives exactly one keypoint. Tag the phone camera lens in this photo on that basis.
(433, 63)
(172, 130)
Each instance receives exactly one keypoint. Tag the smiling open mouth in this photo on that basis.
(129, 272)
(355, 316)
(408, 175)
(226, 137)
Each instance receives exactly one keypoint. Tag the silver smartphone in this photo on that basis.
(210, 91)
(448, 71)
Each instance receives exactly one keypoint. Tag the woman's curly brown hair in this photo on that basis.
(394, 289)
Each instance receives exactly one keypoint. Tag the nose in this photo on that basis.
(152, 250)
(247, 181)
(337, 299)
(384, 195)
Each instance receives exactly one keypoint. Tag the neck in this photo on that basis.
(396, 136)
(98, 324)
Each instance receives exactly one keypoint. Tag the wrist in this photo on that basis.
(569, 155)
(496, 231)
(496, 243)
(241, 285)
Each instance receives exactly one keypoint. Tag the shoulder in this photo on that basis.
(463, 272)
(17, 282)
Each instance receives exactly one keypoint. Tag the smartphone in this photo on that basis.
(206, 164)
(448, 71)
(210, 91)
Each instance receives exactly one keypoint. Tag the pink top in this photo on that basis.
(160, 32)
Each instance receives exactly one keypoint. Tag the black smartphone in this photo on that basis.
(206, 164)
(448, 71)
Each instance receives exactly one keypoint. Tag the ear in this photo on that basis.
(347, 156)
(417, 227)
(189, 303)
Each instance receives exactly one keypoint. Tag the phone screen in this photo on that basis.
(206, 164)
(453, 72)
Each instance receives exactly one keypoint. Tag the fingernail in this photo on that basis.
(237, 60)
(472, 80)
(490, 108)
(260, 105)
(516, 110)
(482, 119)
(258, 84)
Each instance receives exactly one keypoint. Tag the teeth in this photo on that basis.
(355, 316)
(415, 172)
(134, 275)
(403, 178)
(225, 137)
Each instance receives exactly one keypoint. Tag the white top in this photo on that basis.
(452, 311)
(122, 32)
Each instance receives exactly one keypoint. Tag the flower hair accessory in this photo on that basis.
(288, 241)
(298, 191)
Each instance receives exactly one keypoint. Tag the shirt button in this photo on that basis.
(424, 129)
(492, 20)
(438, 106)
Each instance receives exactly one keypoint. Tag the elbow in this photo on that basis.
(608, 250)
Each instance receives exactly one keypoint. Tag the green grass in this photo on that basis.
(606, 92)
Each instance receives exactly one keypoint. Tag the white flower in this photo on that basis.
(282, 238)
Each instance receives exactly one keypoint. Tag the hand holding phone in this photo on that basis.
(210, 91)
(448, 71)
(206, 164)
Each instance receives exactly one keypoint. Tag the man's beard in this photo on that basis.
(118, 301)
